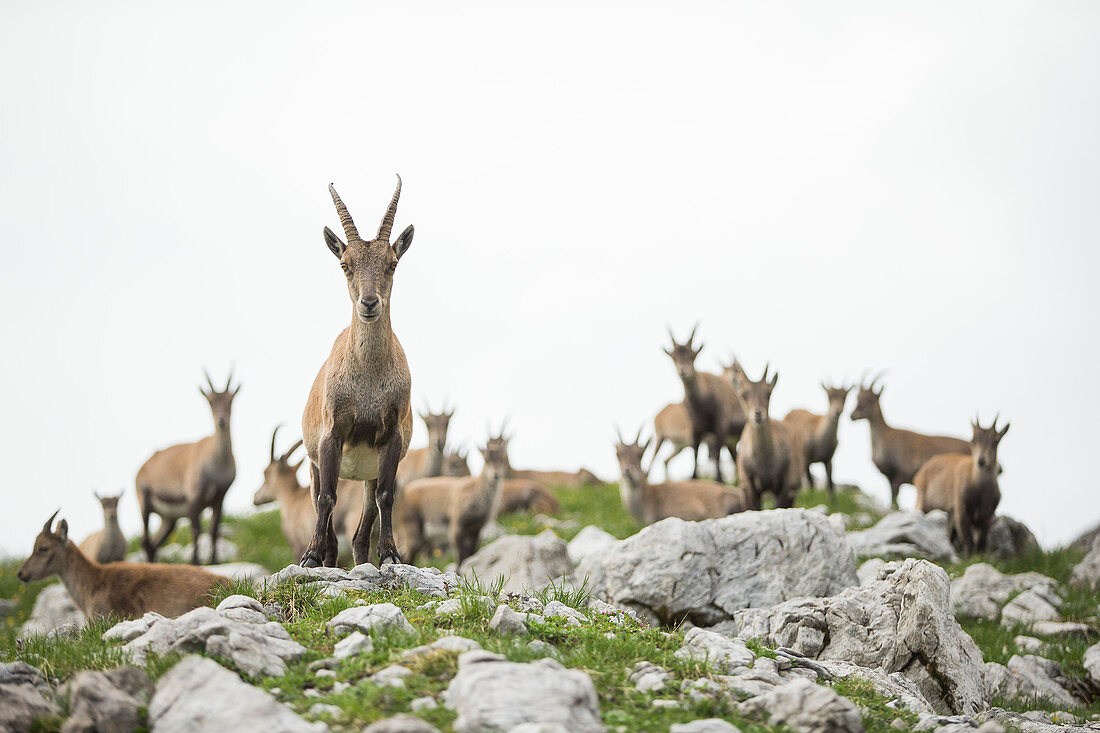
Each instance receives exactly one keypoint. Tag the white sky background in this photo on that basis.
(831, 186)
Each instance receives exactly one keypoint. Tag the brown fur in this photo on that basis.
(524, 495)
(358, 419)
(183, 480)
(429, 461)
(125, 590)
(817, 433)
(899, 454)
(673, 425)
(454, 464)
(108, 544)
(561, 479)
(770, 456)
(966, 487)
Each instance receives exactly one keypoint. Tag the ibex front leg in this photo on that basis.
(388, 458)
(323, 548)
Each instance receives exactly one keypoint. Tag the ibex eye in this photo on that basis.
(343, 267)
(393, 266)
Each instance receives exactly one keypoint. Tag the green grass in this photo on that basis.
(877, 716)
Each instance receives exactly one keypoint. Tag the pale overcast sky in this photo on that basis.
(829, 186)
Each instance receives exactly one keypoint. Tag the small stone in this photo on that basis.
(507, 621)
(423, 703)
(319, 709)
(355, 643)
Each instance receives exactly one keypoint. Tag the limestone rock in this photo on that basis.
(21, 705)
(1087, 572)
(107, 701)
(1009, 539)
(402, 723)
(385, 616)
(588, 541)
(706, 725)
(1035, 676)
(507, 621)
(1036, 604)
(806, 707)
(726, 655)
(907, 534)
(524, 562)
(354, 643)
(982, 590)
(53, 609)
(892, 685)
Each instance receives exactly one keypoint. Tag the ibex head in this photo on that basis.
(368, 265)
(221, 402)
(838, 395)
(983, 444)
(454, 464)
(755, 396)
(437, 427)
(683, 355)
(48, 556)
(109, 504)
(279, 472)
(495, 455)
(630, 457)
(867, 398)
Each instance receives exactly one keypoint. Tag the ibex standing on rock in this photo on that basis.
(424, 462)
(358, 419)
(817, 433)
(185, 479)
(108, 544)
(711, 404)
(898, 454)
(770, 456)
(966, 487)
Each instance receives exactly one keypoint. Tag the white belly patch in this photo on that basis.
(359, 462)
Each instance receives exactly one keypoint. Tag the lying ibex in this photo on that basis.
(524, 495)
(358, 419)
(295, 504)
(673, 425)
(454, 464)
(649, 503)
(769, 458)
(817, 433)
(118, 589)
(898, 454)
(183, 480)
(711, 404)
(450, 511)
(108, 544)
(568, 479)
(425, 462)
(966, 487)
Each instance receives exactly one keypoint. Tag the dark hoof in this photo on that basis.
(390, 559)
(309, 561)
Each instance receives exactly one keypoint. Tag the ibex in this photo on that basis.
(358, 418)
(454, 464)
(450, 511)
(108, 544)
(570, 479)
(673, 425)
(966, 487)
(524, 495)
(649, 503)
(118, 589)
(898, 454)
(711, 404)
(769, 458)
(424, 462)
(817, 433)
(295, 504)
(183, 480)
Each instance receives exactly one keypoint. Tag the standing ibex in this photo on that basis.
(817, 433)
(769, 458)
(296, 505)
(898, 454)
(424, 462)
(673, 424)
(966, 487)
(183, 480)
(108, 544)
(358, 419)
(711, 403)
(649, 503)
(119, 589)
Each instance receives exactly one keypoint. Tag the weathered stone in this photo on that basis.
(1029, 643)
(53, 609)
(402, 723)
(239, 570)
(557, 609)
(648, 677)
(21, 705)
(1061, 628)
(806, 707)
(999, 682)
(907, 534)
(706, 725)
(354, 643)
(490, 693)
(1036, 604)
(524, 562)
(1092, 663)
(726, 655)
(429, 581)
(588, 541)
(383, 616)
(21, 673)
(868, 570)
(901, 622)
(982, 590)
(107, 701)
(423, 703)
(892, 685)
(705, 571)
(507, 621)
(392, 676)
(1035, 676)
(1087, 572)
(1009, 539)
(130, 630)
(750, 683)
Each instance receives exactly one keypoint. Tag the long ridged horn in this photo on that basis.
(638, 437)
(619, 434)
(230, 380)
(49, 523)
(387, 220)
(880, 375)
(208, 380)
(290, 451)
(345, 218)
(273, 434)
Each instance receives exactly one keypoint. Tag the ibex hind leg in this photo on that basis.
(360, 542)
(323, 548)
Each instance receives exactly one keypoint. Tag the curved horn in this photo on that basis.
(638, 437)
(691, 336)
(273, 434)
(878, 376)
(619, 434)
(290, 451)
(345, 218)
(387, 220)
(208, 381)
(49, 522)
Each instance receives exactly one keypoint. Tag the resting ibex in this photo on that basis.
(358, 419)
(118, 589)
(966, 487)
(711, 404)
(183, 480)
(649, 503)
(454, 464)
(770, 457)
(450, 511)
(817, 433)
(898, 454)
(425, 462)
(295, 504)
(108, 544)
(524, 495)
(672, 424)
(570, 479)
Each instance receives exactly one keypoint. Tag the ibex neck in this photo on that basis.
(223, 443)
(876, 419)
(80, 575)
(633, 497)
(369, 340)
(763, 443)
(435, 460)
(488, 497)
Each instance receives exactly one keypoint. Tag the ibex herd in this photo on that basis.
(358, 423)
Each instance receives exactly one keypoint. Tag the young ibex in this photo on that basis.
(966, 487)
(711, 403)
(425, 462)
(118, 589)
(108, 544)
(454, 464)
(648, 503)
(295, 504)
(769, 458)
(450, 511)
(358, 419)
(817, 433)
(183, 480)
(898, 454)
(673, 425)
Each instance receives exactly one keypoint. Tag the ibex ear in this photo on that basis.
(404, 241)
(334, 243)
(63, 530)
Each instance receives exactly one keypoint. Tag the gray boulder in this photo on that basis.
(1040, 603)
(901, 622)
(107, 701)
(807, 707)
(706, 725)
(907, 534)
(1009, 539)
(54, 609)
(982, 590)
(1036, 676)
(1087, 572)
(384, 616)
(726, 655)
(199, 694)
(21, 705)
(21, 673)
(894, 686)
(588, 541)
(525, 563)
(490, 693)
(402, 723)
(706, 571)
(1092, 663)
